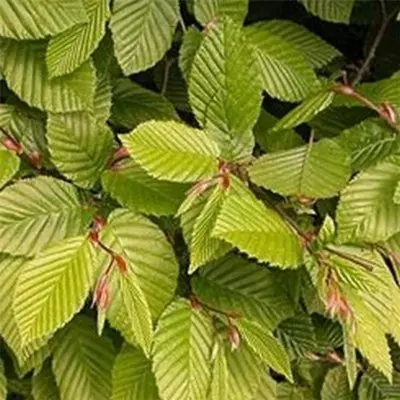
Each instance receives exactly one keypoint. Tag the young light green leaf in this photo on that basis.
(142, 31)
(317, 170)
(44, 385)
(138, 311)
(336, 11)
(132, 104)
(350, 357)
(286, 75)
(39, 211)
(9, 166)
(172, 151)
(219, 382)
(82, 361)
(30, 19)
(208, 11)
(135, 189)
(267, 389)
(79, 146)
(53, 287)
(102, 97)
(73, 92)
(3, 382)
(266, 346)
(335, 385)
(181, 367)
(258, 231)
(366, 210)
(190, 45)
(132, 377)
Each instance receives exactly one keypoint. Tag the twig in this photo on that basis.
(182, 23)
(168, 64)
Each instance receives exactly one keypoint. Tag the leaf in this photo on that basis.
(181, 348)
(30, 19)
(267, 389)
(82, 362)
(314, 49)
(204, 247)
(132, 377)
(71, 48)
(366, 210)
(286, 75)
(135, 189)
(10, 164)
(207, 11)
(266, 346)
(287, 391)
(133, 104)
(374, 386)
(73, 92)
(257, 231)
(335, 385)
(138, 312)
(317, 170)
(39, 211)
(333, 11)
(102, 97)
(311, 106)
(53, 287)
(219, 382)
(44, 385)
(225, 93)
(142, 31)
(233, 284)
(172, 151)
(190, 45)
(3, 382)
(148, 254)
(350, 357)
(79, 146)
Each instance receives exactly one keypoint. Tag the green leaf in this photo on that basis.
(207, 11)
(311, 106)
(181, 349)
(350, 358)
(3, 382)
(366, 209)
(148, 254)
(234, 284)
(267, 389)
(286, 75)
(226, 93)
(10, 164)
(79, 146)
(190, 45)
(374, 386)
(53, 287)
(82, 361)
(266, 346)
(142, 31)
(317, 170)
(369, 142)
(204, 247)
(102, 97)
(257, 231)
(314, 49)
(172, 151)
(132, 104)
(138, 312)
(30, 19)
(73, 92)
(68, 50)
(135, 189)
(333, 11)
(336, 386)
(132, 377)
(287, 391)
(219, 382)
(39, 211)
(44, 385)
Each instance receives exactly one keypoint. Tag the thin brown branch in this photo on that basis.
(168, 64)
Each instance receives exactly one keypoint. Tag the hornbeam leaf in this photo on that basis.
(334, 11)
(267, 389)
(142, 31)
(286, 75)
(207, 11)
(135, 189)
(3, 382)
(68, 50)
(172, 151)
(317, 170)
(79, 146)
(132, 377)
(72, 92)
(39, 211)
(219, 383)
(335, 385)
(266, 346)
(257, 231)
(9, 166)
(366, 210)
(350, 357)
(82, 361)
(181, 350)
(32, 19)
(53, 287)
(44, 385)
(190, 45)
(374, 386)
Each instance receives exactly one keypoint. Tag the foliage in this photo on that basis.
(199, 200)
